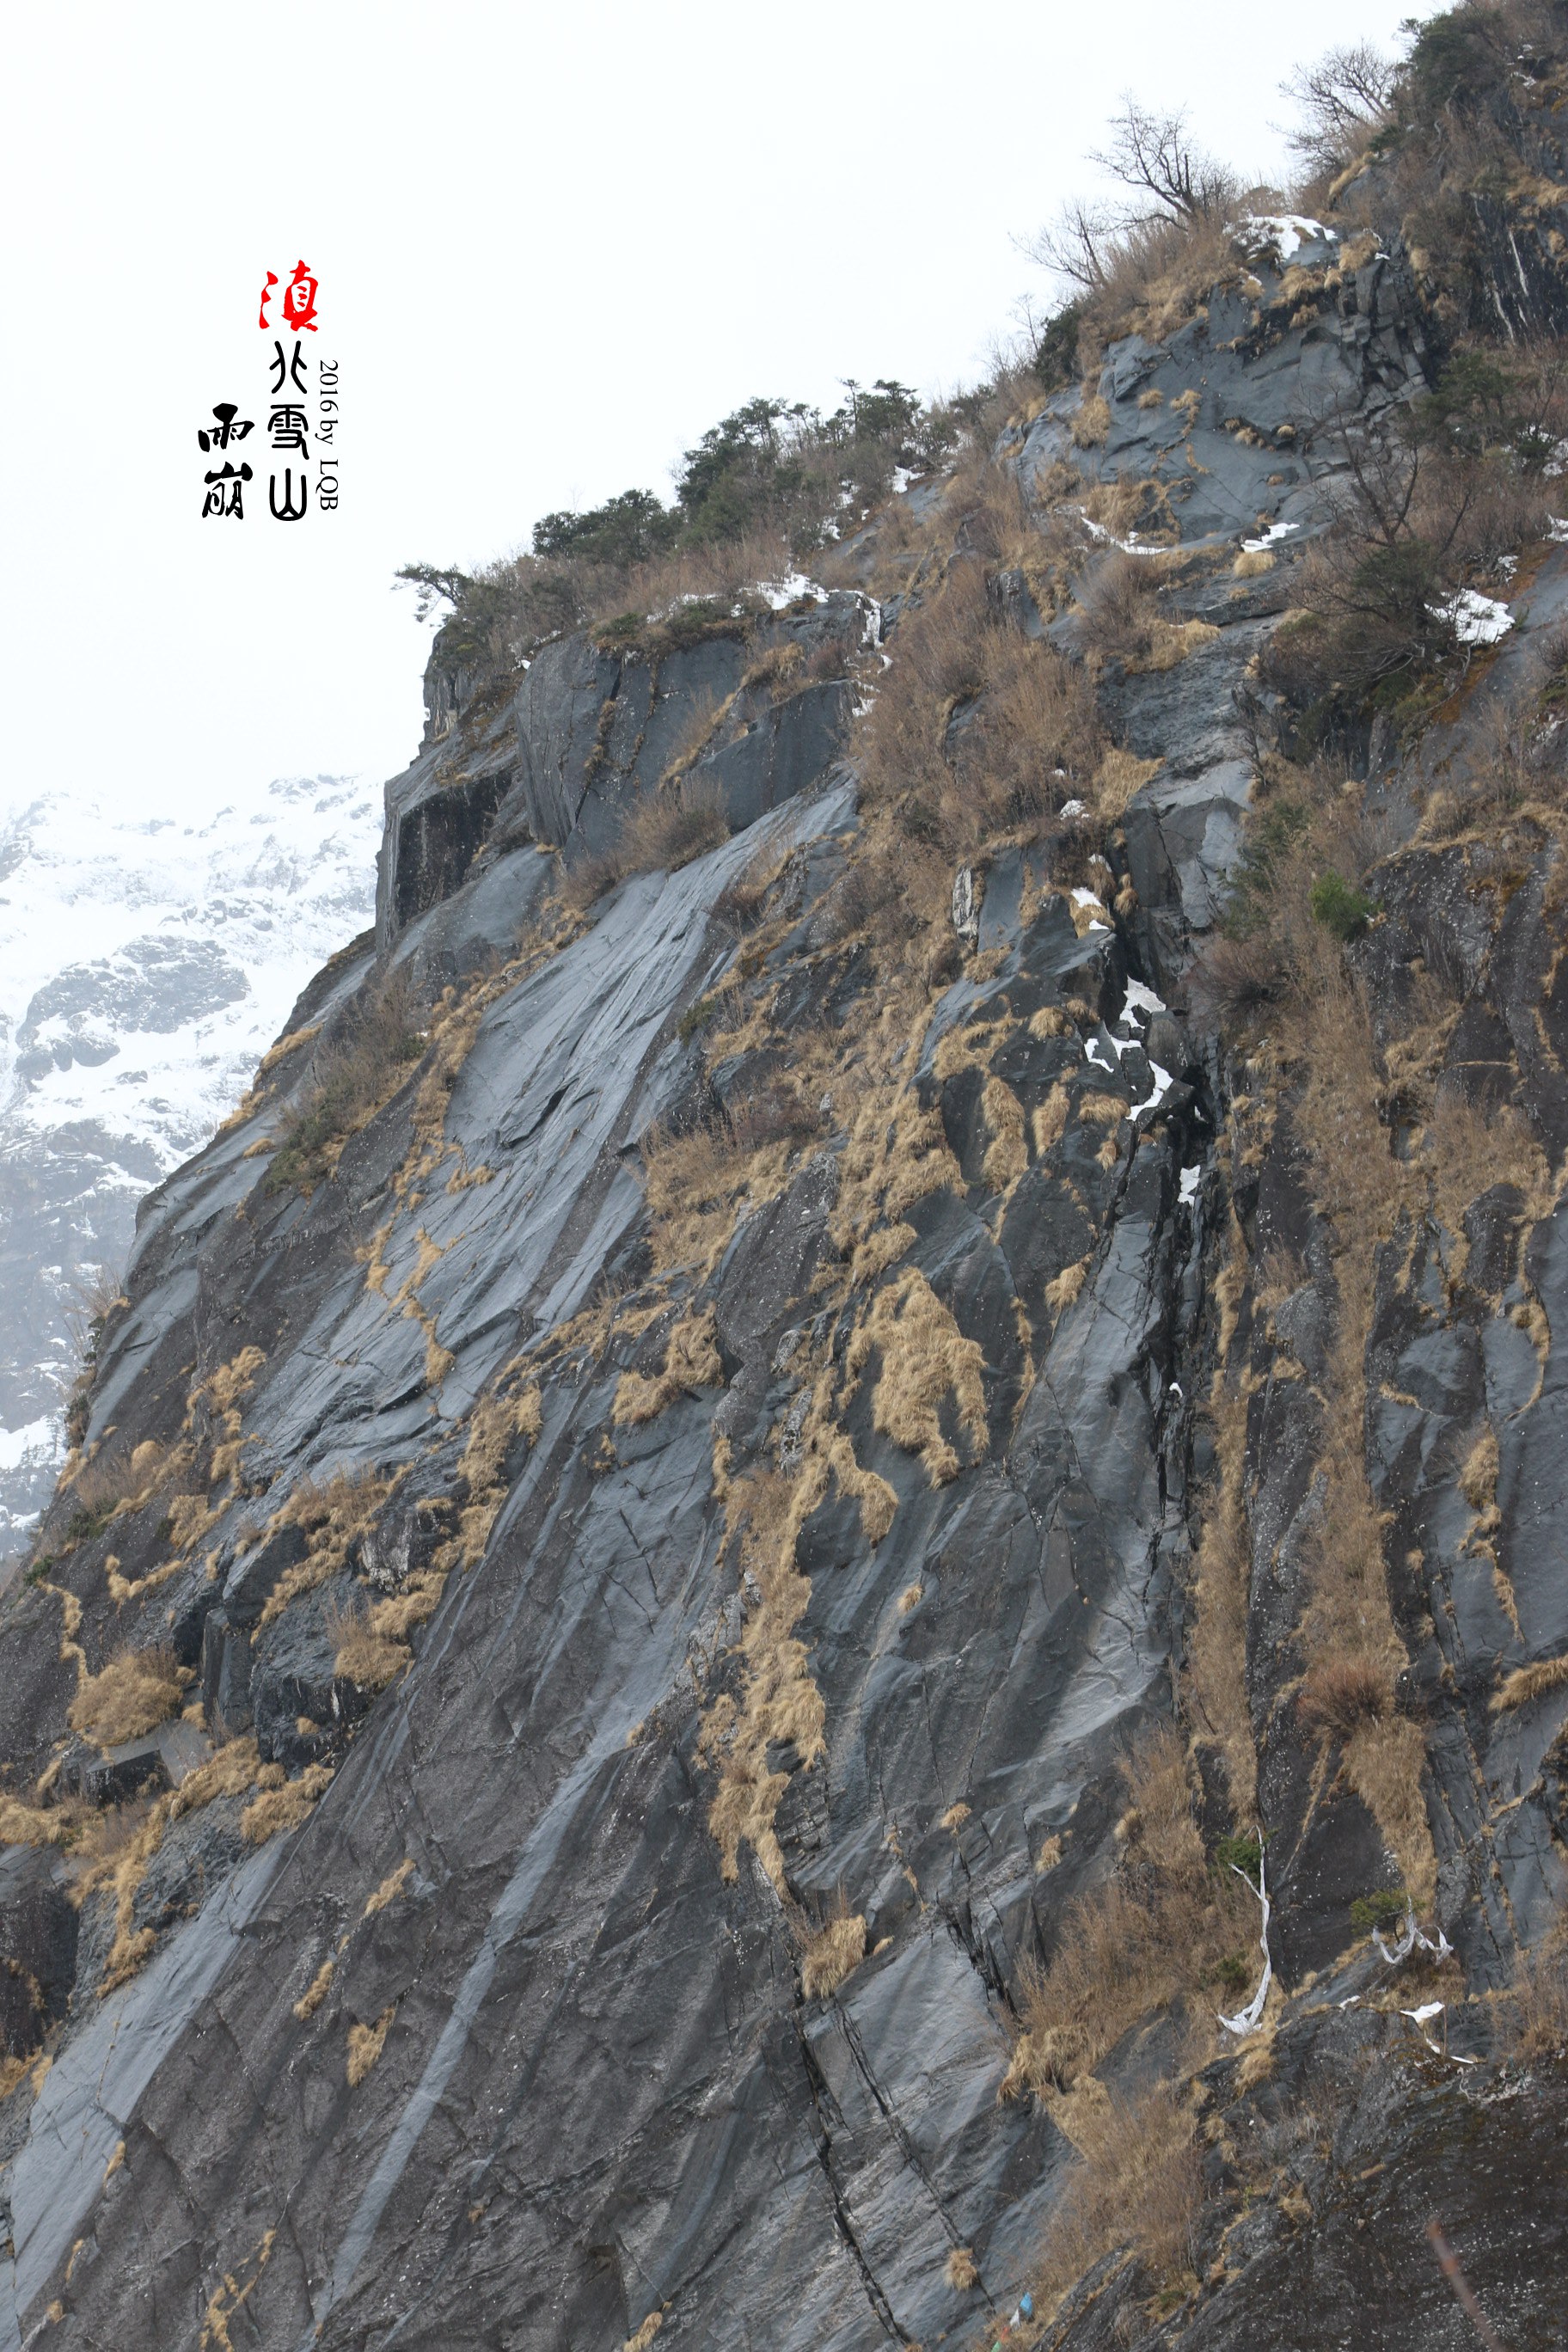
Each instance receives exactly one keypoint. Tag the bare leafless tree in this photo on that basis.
(1171, 177)
(1175, 184)
(1076, 247)
(1339, 101)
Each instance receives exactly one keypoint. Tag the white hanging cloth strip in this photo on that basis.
(1248, 2020)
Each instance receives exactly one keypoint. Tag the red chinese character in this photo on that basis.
(266, 297)
(300, 299)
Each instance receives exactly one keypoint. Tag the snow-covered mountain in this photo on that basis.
(146, 963)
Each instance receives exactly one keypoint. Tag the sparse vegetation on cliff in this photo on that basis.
(994, 1351)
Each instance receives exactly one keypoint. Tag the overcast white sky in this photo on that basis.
(553, 244)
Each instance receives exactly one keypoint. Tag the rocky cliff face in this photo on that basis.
(630, 1615)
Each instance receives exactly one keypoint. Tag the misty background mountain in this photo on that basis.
(146, 963)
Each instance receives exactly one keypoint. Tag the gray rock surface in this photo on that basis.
(854, 1505)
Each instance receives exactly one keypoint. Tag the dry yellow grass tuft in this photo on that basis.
(691, 1362)
(1007, 1154)
(190, 1517)
(372, 1644)
(365, 2044)
(1215, 1694)
(695, 1183)
(780, 1706)
(1063, 1290)
(954, 1818)
(959, 2270)
(223, 1394)
(284, 1808)
(1051, 1119)
(925, 1358)
(1143, 1941)
(1383, 1763)
(369, 1652)
(780, 1703)
(334, 1516)
(136, 1691)
(1139, 2186)
(1341, 1690)
(119, 1846)
(391, 1887)
(832, 1952)
(1477, 1479)
(31, 1825)
(497, 1419)
(1527, 1683)
(909, 1597)
(897, 1154)
(315, 1992)
(1091, 423)
(1120, 775)
(644, 2334)
(1540, 1992)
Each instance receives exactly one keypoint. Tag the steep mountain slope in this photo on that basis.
(816, 1420)
(144, 968)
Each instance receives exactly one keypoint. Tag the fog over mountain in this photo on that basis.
(145, 964)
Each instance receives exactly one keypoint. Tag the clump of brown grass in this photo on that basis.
(1384, 1761)
(391, 1887)
(683, 819)
(780, 1703)
(1120, 601)
(1007, 1154)
(1467, 1150)
(133, 1693)
(353, 1077)
(23, 1825)
(974, 729)
(1143, 1941)
(1342, 1692)
(116, 1854)
(1064, 1290)
(1233, 979)
(316, 1991)
(1138, 2185)
(695, 1182)
(285, 1805)
(1528, 1683)
(111, 1482)
(1540, 1995)
(692, 1361)
(672, 827)
(960, 2270)
(925, 1358)
(497, 1419)
(1154, 274)
(1120, 775)
(365, 2044)
(368, 1654)
(1217, 1645)
(702, 722)
(831, 1950)
(779, 1708)
(334, 1514)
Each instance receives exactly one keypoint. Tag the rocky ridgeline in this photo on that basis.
(613, 1605)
